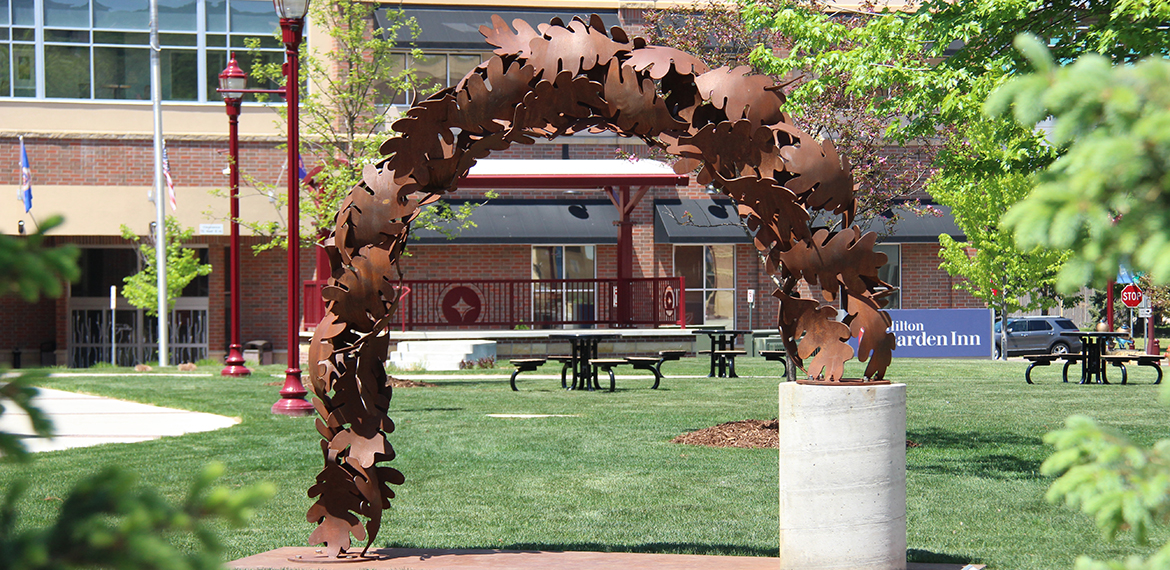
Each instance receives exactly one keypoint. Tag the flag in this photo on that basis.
(25, 179)
(1123, 274)
(170, 181)
(301, 172)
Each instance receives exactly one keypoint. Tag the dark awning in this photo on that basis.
(533, 222)
(716, 221)
(697, 221)
(458, 28)
(922, 229)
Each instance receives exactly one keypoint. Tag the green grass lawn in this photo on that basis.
(607, 478)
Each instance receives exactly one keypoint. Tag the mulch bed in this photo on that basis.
(400, 383)
(744, 433)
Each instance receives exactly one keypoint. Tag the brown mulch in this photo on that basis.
(400, 383)
(744, 433)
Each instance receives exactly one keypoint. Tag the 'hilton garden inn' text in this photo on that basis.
(911, 333)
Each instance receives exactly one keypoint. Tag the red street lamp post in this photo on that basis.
(231, 81)
(292, 20)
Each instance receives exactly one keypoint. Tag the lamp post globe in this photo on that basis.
(232, 81)
(291, 9)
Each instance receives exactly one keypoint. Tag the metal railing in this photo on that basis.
(537, 303)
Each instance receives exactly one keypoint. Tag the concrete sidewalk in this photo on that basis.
(80, 420)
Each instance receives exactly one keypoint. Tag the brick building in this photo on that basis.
(71, 83)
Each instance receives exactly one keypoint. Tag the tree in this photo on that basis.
(345, 99)
(889, 180)
(1105, 198)
(106, 520)
(183, 266)
(931, 66)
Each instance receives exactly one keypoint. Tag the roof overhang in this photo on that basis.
(560, 174)
(551, 222)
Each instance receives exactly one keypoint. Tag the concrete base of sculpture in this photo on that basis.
(842, 477)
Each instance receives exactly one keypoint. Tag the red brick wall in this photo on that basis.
(27, 325)
(130, 162)
(925, 285)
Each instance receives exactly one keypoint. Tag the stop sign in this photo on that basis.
(1131, 296)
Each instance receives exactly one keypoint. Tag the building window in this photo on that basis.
(709, 276)
(436, 70)
(100, 49)
(891, 272)
(572, 294)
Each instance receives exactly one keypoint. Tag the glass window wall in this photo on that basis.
(100, 49)
(709, 276)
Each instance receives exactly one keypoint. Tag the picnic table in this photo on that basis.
(583, 345)
(1093, 365)
(723, 351)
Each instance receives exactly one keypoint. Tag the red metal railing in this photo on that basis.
(538, 303)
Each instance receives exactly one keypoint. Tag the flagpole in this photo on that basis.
(160, 242)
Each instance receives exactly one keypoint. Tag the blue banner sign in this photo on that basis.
(942, 333)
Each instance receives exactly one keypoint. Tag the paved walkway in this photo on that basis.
(80, 420)
(444, 559)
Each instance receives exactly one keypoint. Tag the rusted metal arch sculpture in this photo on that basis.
(557, 80)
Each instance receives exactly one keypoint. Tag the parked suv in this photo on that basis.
(1038, 335)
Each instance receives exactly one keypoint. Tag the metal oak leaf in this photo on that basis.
(659, 61)
(818, 168)
(507, 41)
(870, 326)
(634, 105)
(575, 48)
(742, 95)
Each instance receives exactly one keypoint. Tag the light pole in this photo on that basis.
(231, 81)
(292, 20)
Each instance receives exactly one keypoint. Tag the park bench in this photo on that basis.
(1153, 361)
(607, 365)
(1070, 359)
(637, 362)
(664, 355)
(566, 361)
(727, 357)
(780, 356)
(1118, 361)
(1040, 360)
(527, 365)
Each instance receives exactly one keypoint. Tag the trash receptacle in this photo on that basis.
(49, 353)
(258, 351)
(16, 357)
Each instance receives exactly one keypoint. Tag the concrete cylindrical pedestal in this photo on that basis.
(842, 477)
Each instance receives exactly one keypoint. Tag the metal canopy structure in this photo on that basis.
(615, 176)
